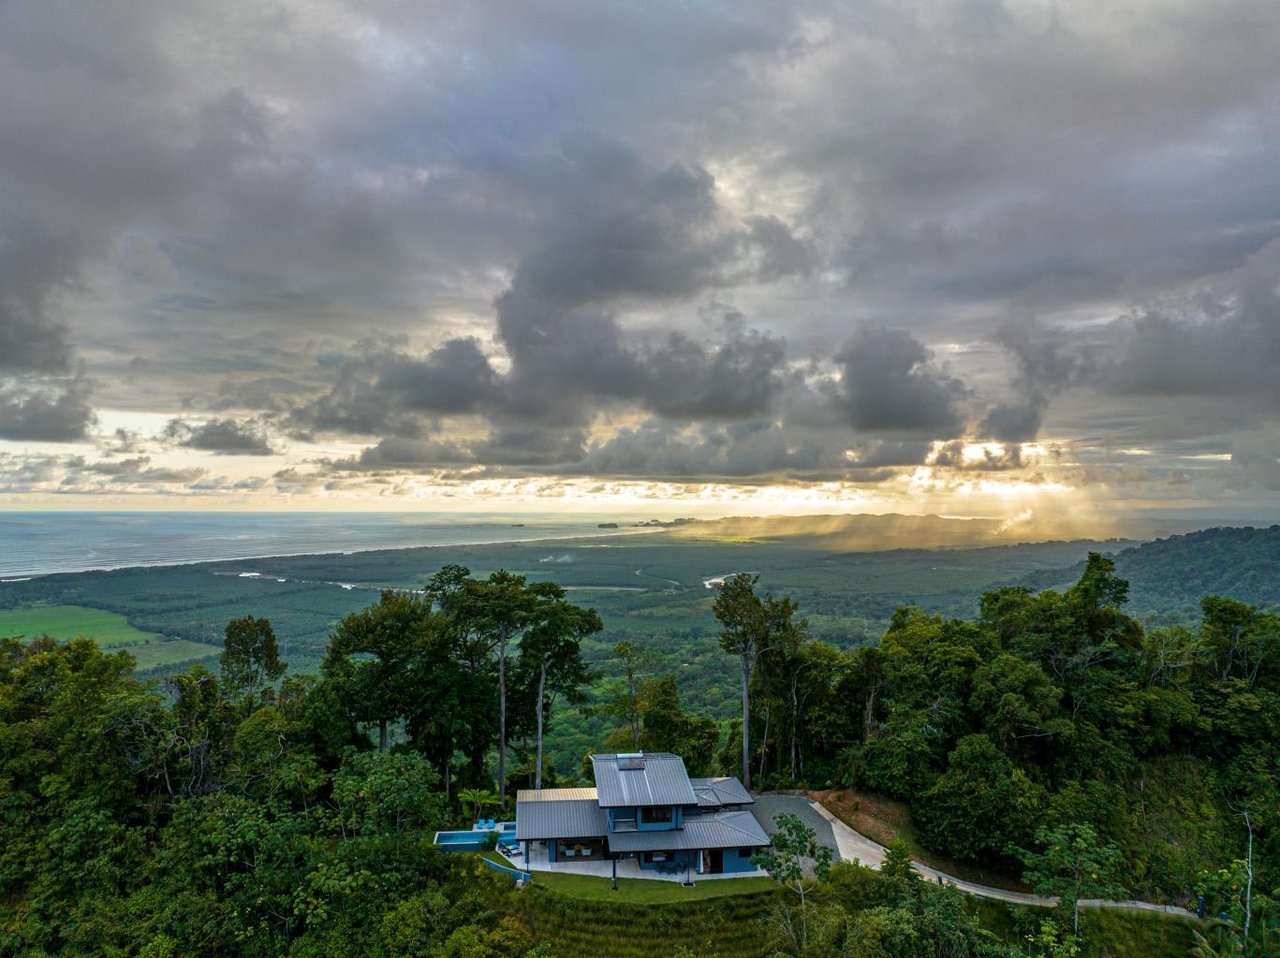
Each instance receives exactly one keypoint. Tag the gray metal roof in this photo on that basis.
(653, 778)
(537, 820)
(716, 792)
(717, 830)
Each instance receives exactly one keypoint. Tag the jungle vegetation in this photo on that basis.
(254, 811)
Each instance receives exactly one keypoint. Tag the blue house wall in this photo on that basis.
(734, 862)
(683, 859)
(636, 814)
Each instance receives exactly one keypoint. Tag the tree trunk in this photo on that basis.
(635, 705)
(542, 684)
(382, 735)
(1248, 889)
(795, 718)
(502, 722)
(746, 723)
(764, 744)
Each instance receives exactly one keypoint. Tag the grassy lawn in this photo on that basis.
(638, 891)
(883, 820)
(110, 629)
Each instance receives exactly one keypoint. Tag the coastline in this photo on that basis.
(28, 576)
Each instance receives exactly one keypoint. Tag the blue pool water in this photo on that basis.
(469, 841)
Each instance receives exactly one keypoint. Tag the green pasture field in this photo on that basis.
(160, 657)
(152, 653)
(109, 629)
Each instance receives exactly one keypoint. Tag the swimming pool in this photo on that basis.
(469, 841)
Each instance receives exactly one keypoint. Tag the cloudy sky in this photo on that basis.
(970, 257)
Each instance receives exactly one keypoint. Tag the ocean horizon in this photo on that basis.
(46, 543)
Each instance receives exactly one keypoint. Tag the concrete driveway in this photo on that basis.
(854, 846)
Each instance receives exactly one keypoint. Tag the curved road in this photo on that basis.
(854, 846)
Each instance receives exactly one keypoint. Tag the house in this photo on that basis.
(644, 807)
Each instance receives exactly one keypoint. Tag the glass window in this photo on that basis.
(656, 814)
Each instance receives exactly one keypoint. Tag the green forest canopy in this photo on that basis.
(222, 815)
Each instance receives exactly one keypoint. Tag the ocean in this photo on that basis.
(40, 543)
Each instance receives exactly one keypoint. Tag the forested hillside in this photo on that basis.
(1051, 735)
(648, 590)
(1168, 577)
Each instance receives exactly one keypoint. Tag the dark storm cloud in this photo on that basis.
(624, 231)
(45, 410)
(887, 384)
(398, 453)
(1222, 341)
(736, 378)
(226, 437)
(742, 450)
(620, 232)
(1046, 362)
(499, 227)
(522, 444)
(384, 389)
(32, 268)
(1007, 152)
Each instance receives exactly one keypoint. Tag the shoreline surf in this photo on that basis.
(28, 574)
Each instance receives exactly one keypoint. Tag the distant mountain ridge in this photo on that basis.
(1169, 577)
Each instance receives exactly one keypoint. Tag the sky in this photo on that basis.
(1014, 259)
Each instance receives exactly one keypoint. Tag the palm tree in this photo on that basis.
(477, 799)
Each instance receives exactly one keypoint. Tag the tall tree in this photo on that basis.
(551, 657)
(749, 626)
(250, 660)
(782, 674)
(502, 606)
(625, 705)
(454, 701)
(370, 658)
(491, 615)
